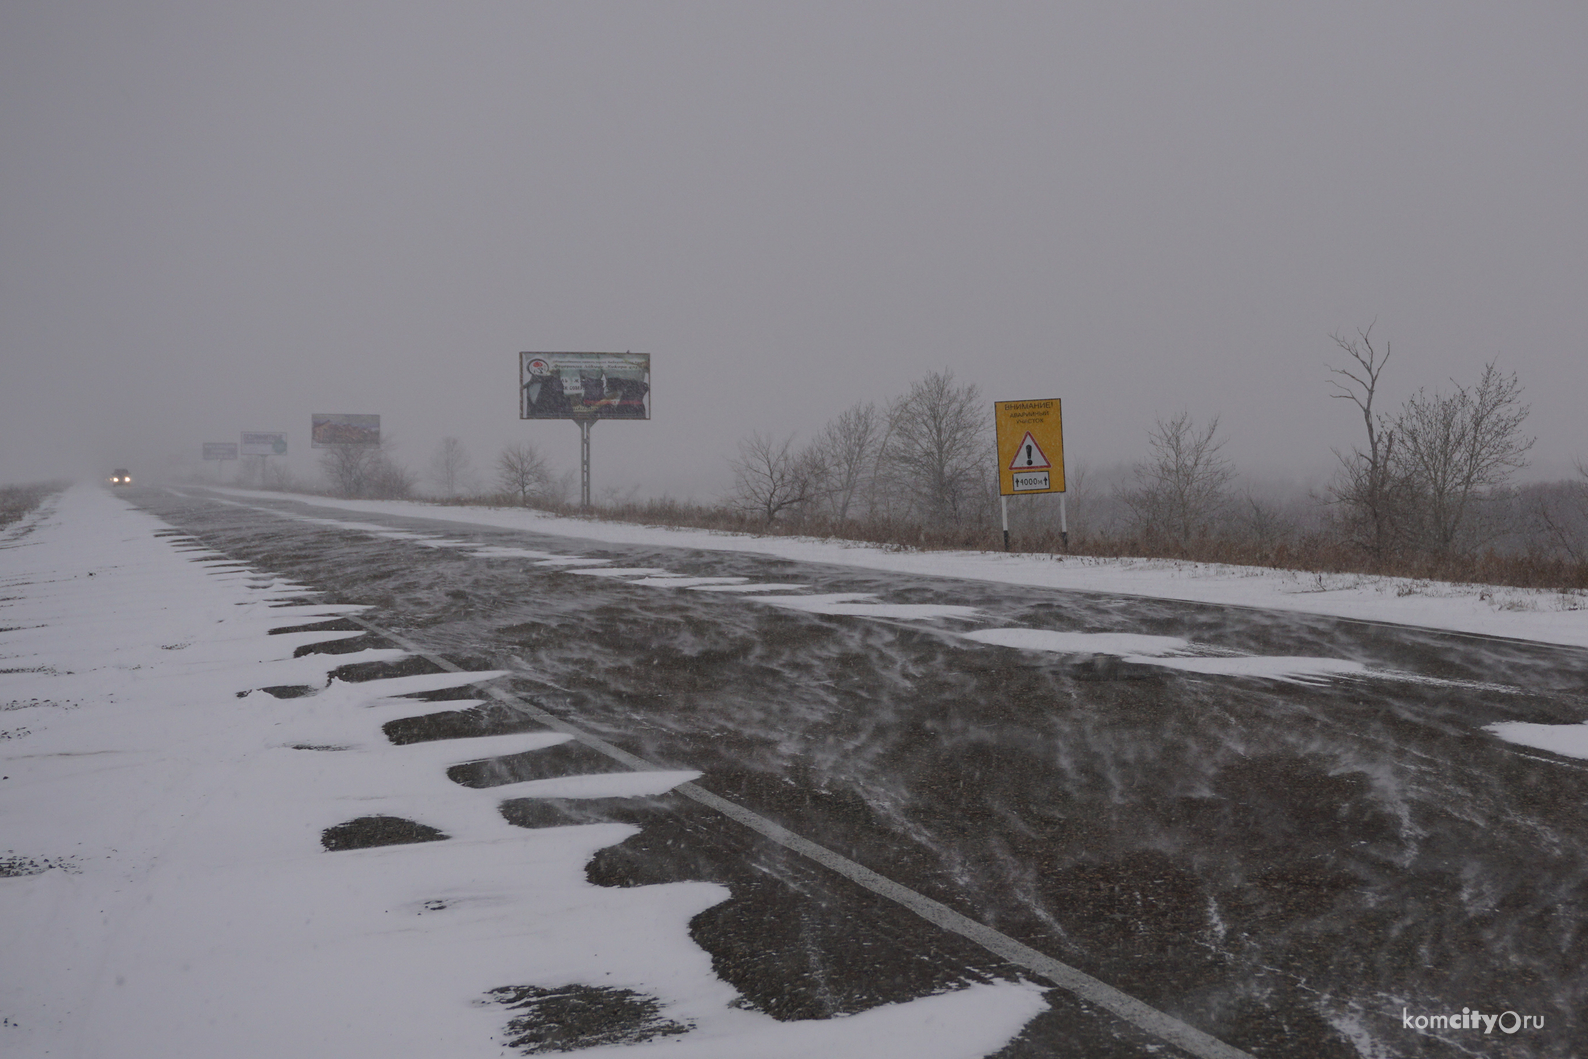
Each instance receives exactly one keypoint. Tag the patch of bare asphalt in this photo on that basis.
(367, 831)
(572, 1017)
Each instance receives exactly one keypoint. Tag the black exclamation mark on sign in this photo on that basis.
(1028, 455)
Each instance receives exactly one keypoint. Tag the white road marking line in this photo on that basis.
(1074, 980)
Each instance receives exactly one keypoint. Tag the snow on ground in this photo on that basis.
(1080, 643)
(1568, 740)
(1489, 610)
(1539, 615)
(163, 887)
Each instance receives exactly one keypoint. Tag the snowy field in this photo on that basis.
(163, 887)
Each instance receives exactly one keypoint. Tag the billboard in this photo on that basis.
(263, 443)
(584, 386)
(1030, 447)
(220, 450)
(339, 428)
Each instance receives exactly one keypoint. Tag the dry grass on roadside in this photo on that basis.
(1314, 553)
(18, 500)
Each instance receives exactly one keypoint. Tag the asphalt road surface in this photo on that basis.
(1293, 868)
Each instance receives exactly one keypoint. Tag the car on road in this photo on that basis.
(121, 476)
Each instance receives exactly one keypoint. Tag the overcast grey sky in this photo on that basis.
(217, 217)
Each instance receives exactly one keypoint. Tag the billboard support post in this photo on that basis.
(584, 387)
(584, 463)
(1003, 502)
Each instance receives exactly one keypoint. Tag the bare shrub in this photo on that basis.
(843, 459)
(277, 477)
(1263, 522)
(1560, 514)
(349, 468)
(390, 480)
(522, 471)
(366, 471)
(1182, 489)
(771, 478)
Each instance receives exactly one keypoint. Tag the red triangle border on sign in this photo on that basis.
(1036, 452)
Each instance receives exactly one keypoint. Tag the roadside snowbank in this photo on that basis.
(1488, 610)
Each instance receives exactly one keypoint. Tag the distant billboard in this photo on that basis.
(327, 429)
(263, 443)
(584, 386)
(220, 450)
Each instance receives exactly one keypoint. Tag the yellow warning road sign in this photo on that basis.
(1030, 447)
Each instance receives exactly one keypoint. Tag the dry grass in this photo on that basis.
(18, 500)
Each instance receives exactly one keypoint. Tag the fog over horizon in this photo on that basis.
(217, 218)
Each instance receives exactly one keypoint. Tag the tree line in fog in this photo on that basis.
(1427, 488)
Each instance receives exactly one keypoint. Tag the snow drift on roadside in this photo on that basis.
(1529, 614)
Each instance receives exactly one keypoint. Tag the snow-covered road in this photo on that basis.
(1282, 827)
(163, 887)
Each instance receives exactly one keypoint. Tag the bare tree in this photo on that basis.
(350, 468)
(844, 456)
(366, 471)
(522, 470)
(770, 477)
(1183, 486)
(1454, 451)
(448, 465)
(391, 480)
(936, 451)
(1561, 510)
(1364, 488)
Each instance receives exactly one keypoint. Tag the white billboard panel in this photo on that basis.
(263, 443)
(220, 450)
